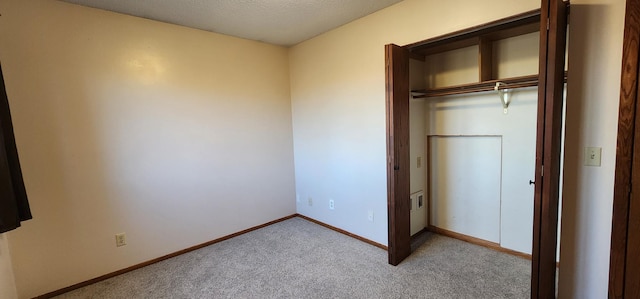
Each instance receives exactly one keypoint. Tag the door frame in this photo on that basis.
(626, 213)
(548, 145)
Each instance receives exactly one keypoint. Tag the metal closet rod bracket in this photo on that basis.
(505, 95)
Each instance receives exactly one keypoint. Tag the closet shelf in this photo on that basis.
(524, 23)
(489, 85)
(482, 36)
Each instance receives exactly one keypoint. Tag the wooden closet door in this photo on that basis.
(624, 269)
(632, 273)
(553, 29)
(397, 77)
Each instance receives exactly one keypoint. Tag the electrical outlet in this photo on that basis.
(331, 204)
(310, 201)
(370, 216)
(121, 240)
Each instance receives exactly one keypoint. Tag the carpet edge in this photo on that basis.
(159, 259)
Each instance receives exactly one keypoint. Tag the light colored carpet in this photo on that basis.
(299, 259)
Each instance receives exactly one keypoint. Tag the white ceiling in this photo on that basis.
(279, 22)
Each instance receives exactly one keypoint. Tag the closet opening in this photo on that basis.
(473, 147)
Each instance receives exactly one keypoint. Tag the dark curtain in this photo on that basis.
(14, 207)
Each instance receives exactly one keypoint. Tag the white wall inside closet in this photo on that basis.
(417, 157)
(466, 175)
(492, 152)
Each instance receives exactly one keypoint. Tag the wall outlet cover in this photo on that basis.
(121, 240)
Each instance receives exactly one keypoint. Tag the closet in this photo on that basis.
(473, 146)
(473, 121)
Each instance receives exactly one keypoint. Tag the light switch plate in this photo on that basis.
(593, 156)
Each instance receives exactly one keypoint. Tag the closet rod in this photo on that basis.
(509, 83)
(516, 82)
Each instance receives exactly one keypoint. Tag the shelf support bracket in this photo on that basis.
(505, 96)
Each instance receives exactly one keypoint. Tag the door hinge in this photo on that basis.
(548, 24)
(542, 170)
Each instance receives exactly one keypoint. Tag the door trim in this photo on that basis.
(626, 146)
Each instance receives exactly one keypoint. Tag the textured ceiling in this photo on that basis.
(280, 22)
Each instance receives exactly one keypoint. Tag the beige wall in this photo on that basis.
(173, 135)
(338, 104)
(7, 282)
(593, 88)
